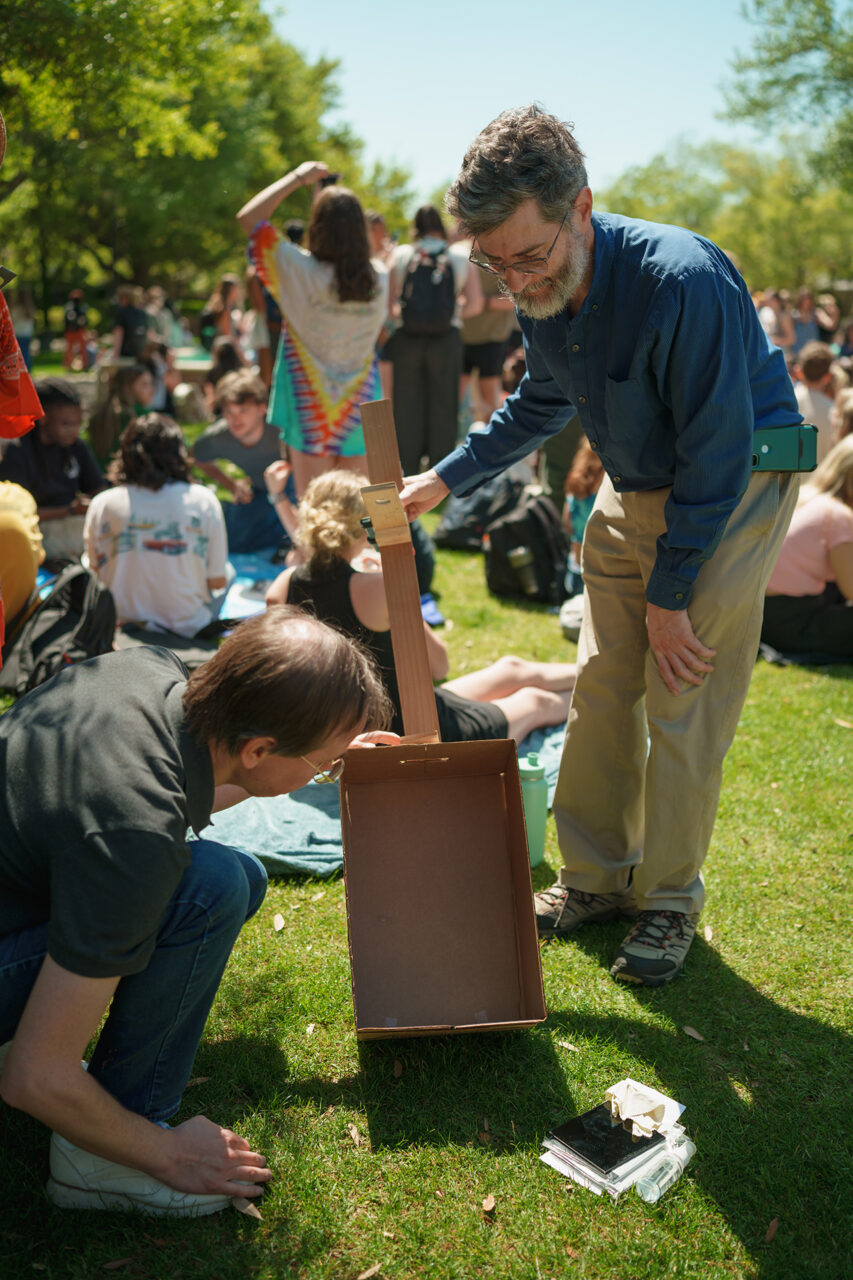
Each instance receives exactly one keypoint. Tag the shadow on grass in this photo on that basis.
(495, 1088)
(766, 1096)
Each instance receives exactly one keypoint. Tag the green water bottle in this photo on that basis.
(534, 793)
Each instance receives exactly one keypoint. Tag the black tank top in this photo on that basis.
(326, 594)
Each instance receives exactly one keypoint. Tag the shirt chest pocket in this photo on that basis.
(635, 403)
(640, 439)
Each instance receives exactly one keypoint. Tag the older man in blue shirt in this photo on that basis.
(649, 335)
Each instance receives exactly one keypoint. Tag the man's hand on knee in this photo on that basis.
(679, 653)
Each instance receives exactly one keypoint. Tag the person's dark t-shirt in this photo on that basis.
(102, 781)
(75, 315)
(52, 473)
(217, 443)
(133, 322)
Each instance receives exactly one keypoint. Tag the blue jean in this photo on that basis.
(145, 1051)
(252, 526)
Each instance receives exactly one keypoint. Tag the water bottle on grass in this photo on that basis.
(534, 793)
(665, 1171)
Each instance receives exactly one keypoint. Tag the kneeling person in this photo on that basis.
(104, 903)
(244, 437)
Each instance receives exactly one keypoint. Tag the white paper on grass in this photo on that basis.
(568, 1171)
(573, 1166)
(647, 1110)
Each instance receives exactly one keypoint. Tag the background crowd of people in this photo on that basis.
(325, 317)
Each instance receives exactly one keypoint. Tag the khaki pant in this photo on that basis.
(641, 771)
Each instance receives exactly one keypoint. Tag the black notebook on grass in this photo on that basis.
(601, 1144)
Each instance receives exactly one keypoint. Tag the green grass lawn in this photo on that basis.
(384, 1152)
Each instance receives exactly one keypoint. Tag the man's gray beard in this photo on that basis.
(564, 286)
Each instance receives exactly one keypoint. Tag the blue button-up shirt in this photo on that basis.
(669, 371)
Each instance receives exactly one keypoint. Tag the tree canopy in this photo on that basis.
(801, 68)
(781, 216)
(137, 128)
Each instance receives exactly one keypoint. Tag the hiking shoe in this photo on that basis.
(653, 952)
(81, 1180)
(561, 910)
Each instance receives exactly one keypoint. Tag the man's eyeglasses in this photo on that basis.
(524, 266)
(328, 772)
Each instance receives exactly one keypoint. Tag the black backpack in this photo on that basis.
(428, 296)
(75, 621)
(464, 520)
(526, 552)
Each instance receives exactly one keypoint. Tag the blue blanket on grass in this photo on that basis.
(301, 832)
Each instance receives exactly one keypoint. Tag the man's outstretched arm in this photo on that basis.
(43, 1076)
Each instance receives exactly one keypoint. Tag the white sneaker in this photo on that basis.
(80, 1180)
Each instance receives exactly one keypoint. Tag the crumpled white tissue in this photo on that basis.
(643, 1108)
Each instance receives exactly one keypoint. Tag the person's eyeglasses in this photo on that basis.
(524, 266)
(329, 772)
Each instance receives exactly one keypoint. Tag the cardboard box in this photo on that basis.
(442, 931)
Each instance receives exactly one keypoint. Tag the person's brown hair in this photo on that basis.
(427, 222)
(151, 453)
(287, 676)
(241, 387)
(218, 300)
(524, 154)
(337, 234)
(815, 361)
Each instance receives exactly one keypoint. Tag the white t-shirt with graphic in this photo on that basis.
(155, 550)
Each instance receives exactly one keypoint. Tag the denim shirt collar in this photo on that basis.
(604, 250)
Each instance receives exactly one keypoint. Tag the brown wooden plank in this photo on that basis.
(383, 455)
(417, 700)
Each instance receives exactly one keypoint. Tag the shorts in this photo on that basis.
(463, 720)
(486, 357)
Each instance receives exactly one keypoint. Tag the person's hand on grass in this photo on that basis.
(210, 1160)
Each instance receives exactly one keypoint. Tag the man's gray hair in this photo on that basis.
(523, 154)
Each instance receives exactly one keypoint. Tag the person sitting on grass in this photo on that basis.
(57, 468)
(244, 438)
(106, 908)
(156, 540)
(807, 604)
(508, 699)
(130, 393)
